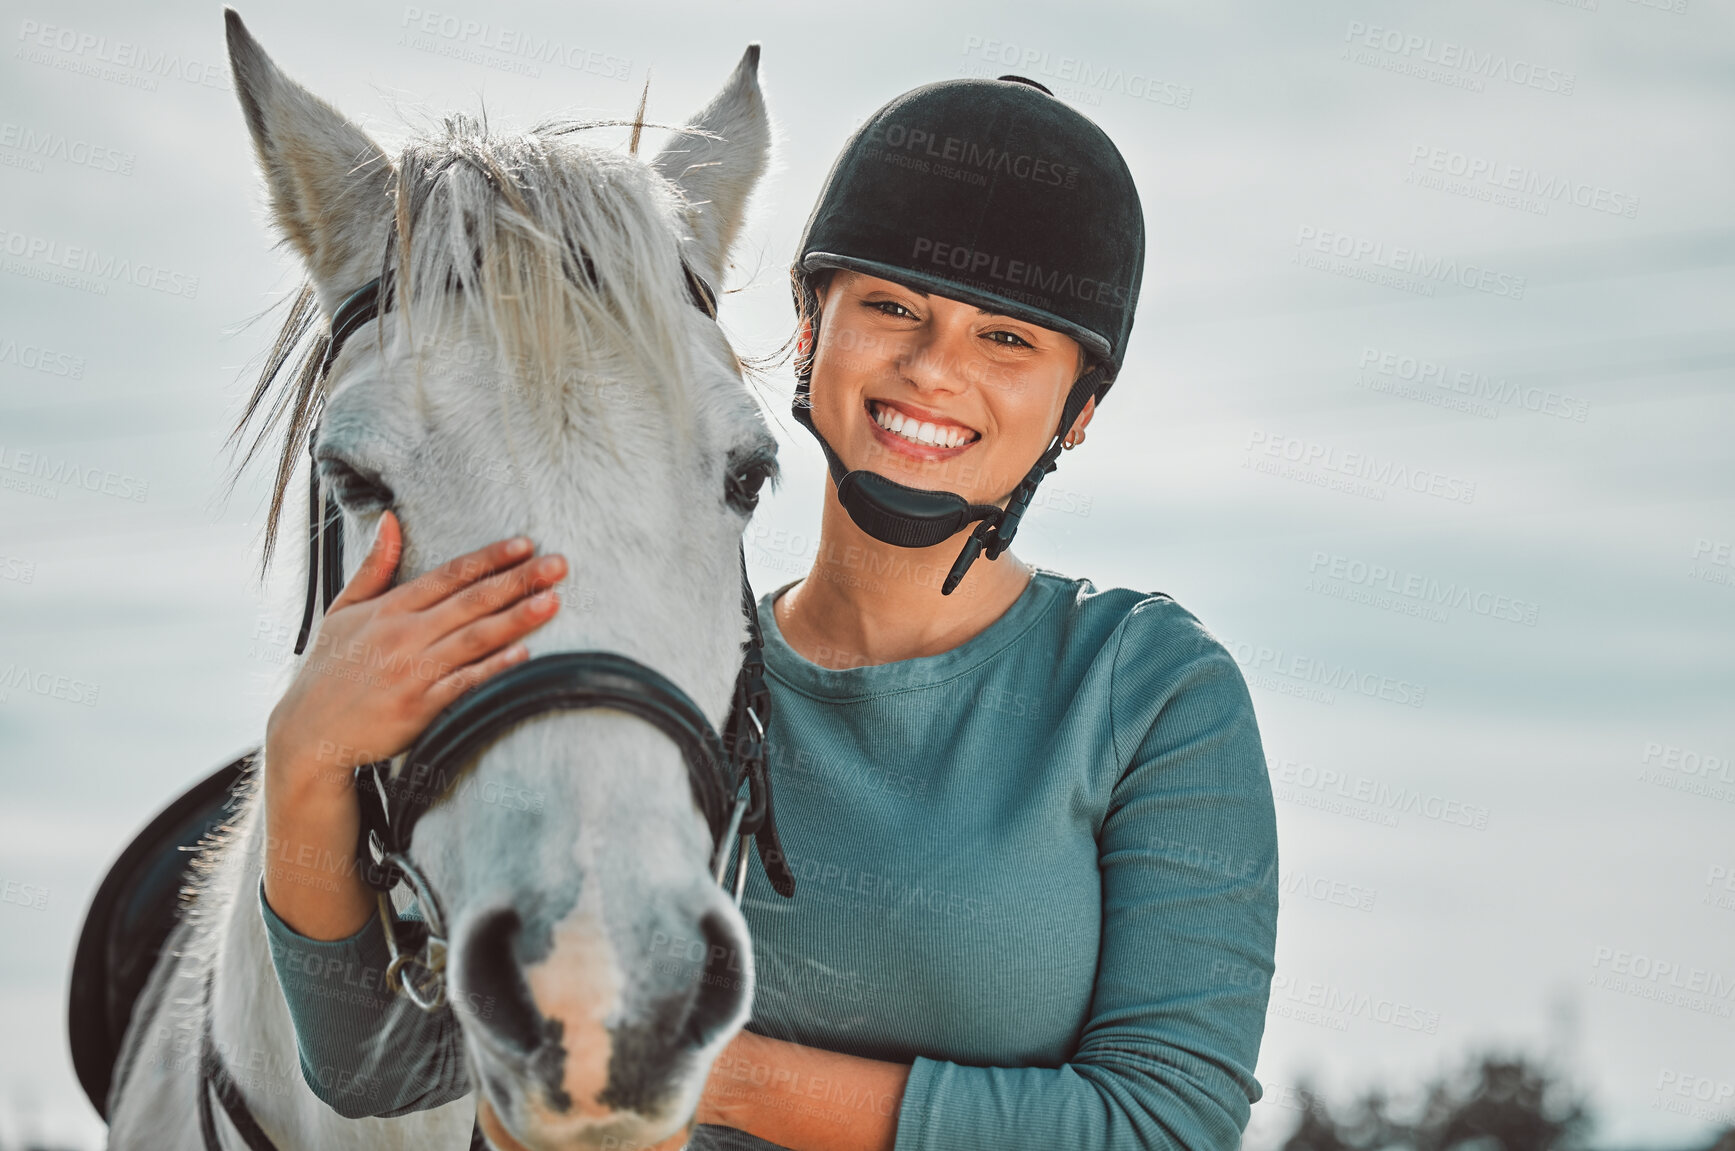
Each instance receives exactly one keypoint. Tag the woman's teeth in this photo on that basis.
(917, 431)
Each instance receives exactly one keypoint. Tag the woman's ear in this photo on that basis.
(1084, 416)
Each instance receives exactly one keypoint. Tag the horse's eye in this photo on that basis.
(359, 492)
(742, 487)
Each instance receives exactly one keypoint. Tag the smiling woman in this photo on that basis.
(1031, 818)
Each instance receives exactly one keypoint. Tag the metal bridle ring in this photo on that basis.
(426, 989)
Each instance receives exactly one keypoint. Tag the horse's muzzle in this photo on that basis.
(580, 1041)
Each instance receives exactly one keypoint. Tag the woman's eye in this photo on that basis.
(881, 305)
(1017, 341)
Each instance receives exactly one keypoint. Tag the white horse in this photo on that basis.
(542, 332)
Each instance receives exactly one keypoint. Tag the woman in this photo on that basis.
(1032, 821)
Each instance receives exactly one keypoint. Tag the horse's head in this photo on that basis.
(542, 370)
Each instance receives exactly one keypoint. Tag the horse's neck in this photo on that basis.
(249, 1019)
(253, 1031)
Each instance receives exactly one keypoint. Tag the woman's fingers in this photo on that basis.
(431, 587)
(490, 595)
(490, 633)
(387, 665)
(461, 680)
(377, 567)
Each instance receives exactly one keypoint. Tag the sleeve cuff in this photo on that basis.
(280, 930)
(913, 1110)
(349, 971)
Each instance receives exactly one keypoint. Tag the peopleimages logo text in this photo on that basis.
(43, 144)
(21, 677)
(1637, 966)
(1526, 181)
(1288, 775)
(89, 47)
(101, 267)
(1475, 385)
(1413, 585)
(1258, 658)
(1091, 78)
(44, 471)
(1348, 1004)
(1018, 274)
(515, 42)
(38, 358)
(912, 138)
(1459, 58)
(1410, 262)
(1362, 466)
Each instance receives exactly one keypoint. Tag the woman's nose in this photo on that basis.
(934, 360)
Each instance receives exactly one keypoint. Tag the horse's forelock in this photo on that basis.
(565, 252)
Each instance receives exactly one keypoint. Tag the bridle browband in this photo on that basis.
(393, 802)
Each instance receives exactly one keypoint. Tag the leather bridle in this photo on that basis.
(393, 802)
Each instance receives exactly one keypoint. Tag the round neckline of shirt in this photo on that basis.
(857, 683)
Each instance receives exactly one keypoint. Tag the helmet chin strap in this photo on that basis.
(908, 517)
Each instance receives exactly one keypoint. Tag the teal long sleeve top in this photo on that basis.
(1040, 867)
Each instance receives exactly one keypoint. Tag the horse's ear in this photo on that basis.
(716, 172)
(330, 184)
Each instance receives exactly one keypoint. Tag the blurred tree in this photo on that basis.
(1509, 1105)
(1499, 1103)
(1317, 1130)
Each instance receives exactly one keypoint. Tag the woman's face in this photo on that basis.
(892, 359)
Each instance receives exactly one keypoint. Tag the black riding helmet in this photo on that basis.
(995, 193)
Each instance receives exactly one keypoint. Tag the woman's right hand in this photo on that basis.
(386, 661)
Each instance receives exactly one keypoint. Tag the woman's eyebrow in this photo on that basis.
(979, 308)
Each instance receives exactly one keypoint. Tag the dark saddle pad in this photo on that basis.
(134, 910)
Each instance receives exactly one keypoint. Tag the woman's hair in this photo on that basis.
(807, 291)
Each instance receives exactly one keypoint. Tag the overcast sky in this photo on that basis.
(1430, 384)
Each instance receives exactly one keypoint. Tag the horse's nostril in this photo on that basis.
(722, 984)
(700, 999)
(489, 970)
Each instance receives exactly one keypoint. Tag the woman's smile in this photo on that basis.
(918, 432)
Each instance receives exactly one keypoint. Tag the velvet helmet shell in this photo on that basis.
(993, 192)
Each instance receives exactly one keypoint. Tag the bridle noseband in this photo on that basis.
(393, 802)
